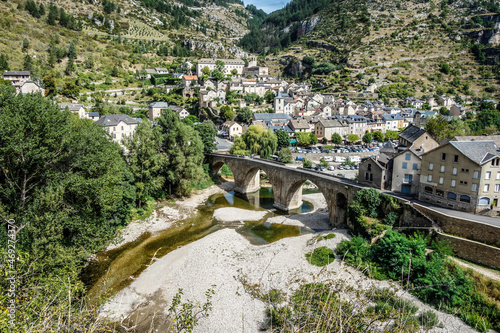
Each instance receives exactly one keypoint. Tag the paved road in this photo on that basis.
(223, 144)
(455, 213)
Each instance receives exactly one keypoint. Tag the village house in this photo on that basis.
(16, 76)
(373, 171)
(155, 109)
(462, 175)
(457, 111)
(229, 65)
(325, 128)
(189, 80)
(77, 109)
(119, 126)
(393, 122)
(232, 129)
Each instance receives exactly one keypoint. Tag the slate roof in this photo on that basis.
(114, 119)
(158, 105)
(8, 73)
(390, 117)
(329, 123)
(299, 124)
(494, 138)
(271, 116)
(411, 133)
(93, 114)
(70, 106)
(479, 152)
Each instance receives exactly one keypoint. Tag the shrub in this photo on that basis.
(391, 218)
(321, 256)
(428, 319)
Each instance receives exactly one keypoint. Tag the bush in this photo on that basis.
(428, 319)
(391, 218)
(321, 256)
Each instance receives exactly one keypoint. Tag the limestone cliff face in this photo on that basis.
(306, 26)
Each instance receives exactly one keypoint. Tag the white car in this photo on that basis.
(328, 158)
(331, 168)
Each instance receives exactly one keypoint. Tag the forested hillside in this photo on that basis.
(348, 45)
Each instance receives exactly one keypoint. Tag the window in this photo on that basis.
(462, 182)
(454, 171)
(122, 128)
(453, 183)
(428, 189)
(405, 165)
(495, 162)
(476, 175)
(465, 198)
(431, 166)
(497, 188)
(465, 170)
(486, 187)
(114, 128)
(474, 188)
(488, 175)
(407, 156)
(441, 169)
(415, 166)
(367, 176)
(455, 159)
(440, 193)
(443, 156)
(441, 180)
(498, 175)
(452, 196)
(408, 179)
(484, 201)
(371, 177)
(429, 178)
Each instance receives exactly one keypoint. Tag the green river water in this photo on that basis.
(115, 269)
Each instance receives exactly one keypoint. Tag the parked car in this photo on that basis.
(328, 158)
(331, 168)
(340, 167)
(299, 158)
(356, 167)
(341, 175)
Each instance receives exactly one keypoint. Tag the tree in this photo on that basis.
(306, 163)
(314, 139)
(268, 143)
(367, 138)
(378, 136)
(391, 135)
(226, 113)
(27, 63)
(371, 80)
(205, 71)
(444, 111)
(184, 148)
(219, 66)
(144, 161)
(4, 62)
(436, 127)
(260, 141)
(72, 51)
(336, 139)
(445, 68)
(26, 45)
(234, 72)
(285, 155)
(283, 139)
(269, 96)
(303, 139)
(70, 67)
(244, 115)
(239, 147)
(217, 75)
(207, 132)
(353, 138)
(323, 163)
(49, 81)
(70, 89)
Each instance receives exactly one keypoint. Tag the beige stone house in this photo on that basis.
(325, 128)
(118, 126)
(155, 109)
(232, 129)
(463, 175)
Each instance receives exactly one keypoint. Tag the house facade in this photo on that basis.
(155, 109)
(229, 65)
(119, 126)
(232, 129)
(462, 175)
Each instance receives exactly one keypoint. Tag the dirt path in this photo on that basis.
(490, 273)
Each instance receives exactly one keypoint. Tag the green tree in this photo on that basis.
(4, 62)
(269, 96)
(303, 139)
(268, 143)
(234, 72)
(314, 139)
(306, 163)
(239, 147)
(207, 132)
(353, 138)
(285, 155)
(378, 136)
(244, 115)
(336, 139)
(436, 127)
(252, 138)
(226, 113)
(283, 139)
(184, 148)
(217, 75)
(70, 89)
(49, 81)
(391, 135)
(70, 67)
(26, 45)
(323, 163)
(144, 161)
(445, 68)
(219, 66)
(367, 138)
(27, 63)
(205, 71)
(72, 54)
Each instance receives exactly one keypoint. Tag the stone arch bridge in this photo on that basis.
(287, 183)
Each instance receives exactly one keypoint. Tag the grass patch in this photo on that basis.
(321, 256)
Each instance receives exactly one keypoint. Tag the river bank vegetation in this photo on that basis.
(66, 188)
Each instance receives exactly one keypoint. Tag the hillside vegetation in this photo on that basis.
(347, 45)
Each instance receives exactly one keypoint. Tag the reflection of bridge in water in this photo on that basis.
(287, 183)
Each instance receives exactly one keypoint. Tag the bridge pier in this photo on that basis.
(246, 181)
(287, 196)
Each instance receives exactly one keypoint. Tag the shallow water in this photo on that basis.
(115, 269)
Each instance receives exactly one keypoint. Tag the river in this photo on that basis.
(115, 269)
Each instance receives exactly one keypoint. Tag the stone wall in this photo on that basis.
(473, 251)
(412, 218)
(479, 232)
